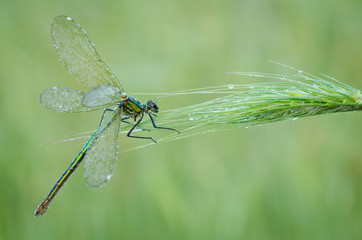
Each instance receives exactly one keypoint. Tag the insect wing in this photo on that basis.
(62, 99)
(78, 54)
(99, 161)
(101, 96)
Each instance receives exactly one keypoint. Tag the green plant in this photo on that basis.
(242, 106)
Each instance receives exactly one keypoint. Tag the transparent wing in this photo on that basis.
(100, 159)
(101, 96)
(62, 99)
(78, 54)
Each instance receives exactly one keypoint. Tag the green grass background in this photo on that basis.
(290, 180)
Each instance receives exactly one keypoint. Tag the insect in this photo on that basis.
(79, 56)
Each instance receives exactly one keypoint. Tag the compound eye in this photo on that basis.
(152, 106)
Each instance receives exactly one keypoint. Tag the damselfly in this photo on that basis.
(79, 56)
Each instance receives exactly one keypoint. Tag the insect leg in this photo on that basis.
(104, 113)
(134, 126)
(154, 125)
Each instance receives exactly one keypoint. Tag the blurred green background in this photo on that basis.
(289, 180)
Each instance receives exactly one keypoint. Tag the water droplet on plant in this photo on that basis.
(231, 86)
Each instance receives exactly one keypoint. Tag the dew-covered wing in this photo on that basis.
(101, 96)
(62, 99)
(99, 161)
(78, 54)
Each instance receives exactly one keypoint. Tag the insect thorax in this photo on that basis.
(132, 107)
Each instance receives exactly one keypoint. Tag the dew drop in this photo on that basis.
(231, 86)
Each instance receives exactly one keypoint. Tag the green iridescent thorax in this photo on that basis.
(133, 108)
